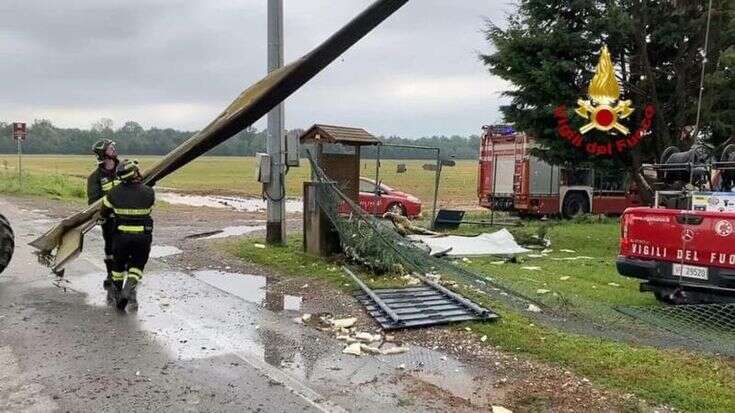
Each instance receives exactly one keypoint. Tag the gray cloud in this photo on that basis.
(176, 63)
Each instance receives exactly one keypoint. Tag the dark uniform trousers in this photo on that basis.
(128, 206)
(131, 253)
(99, 183)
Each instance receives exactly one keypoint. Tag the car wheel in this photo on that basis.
(7, 243)
(575, 204)
(397, 209)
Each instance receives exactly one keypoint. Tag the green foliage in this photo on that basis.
(53, 186)
(549, 50)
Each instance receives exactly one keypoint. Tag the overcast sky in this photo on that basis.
(178, 63)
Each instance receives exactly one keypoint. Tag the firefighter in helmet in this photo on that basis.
(129, 206)
(98, 184)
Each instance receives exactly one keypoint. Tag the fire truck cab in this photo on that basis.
(511, 179)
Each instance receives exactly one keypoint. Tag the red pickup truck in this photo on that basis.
(684, 256)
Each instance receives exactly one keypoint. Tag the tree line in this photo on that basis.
(46, 138)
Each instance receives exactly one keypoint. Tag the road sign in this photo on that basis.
(19, 131)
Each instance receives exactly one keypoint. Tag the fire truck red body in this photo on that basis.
(511, 179)
(685, 256)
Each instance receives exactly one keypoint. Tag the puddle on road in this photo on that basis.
(252, 288)
(159, 251)
(235, 231)
(231, 202)
(208, 318)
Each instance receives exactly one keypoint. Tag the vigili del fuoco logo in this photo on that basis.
(603, 111)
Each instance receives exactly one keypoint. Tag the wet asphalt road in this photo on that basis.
(64, 349)
(198, 343)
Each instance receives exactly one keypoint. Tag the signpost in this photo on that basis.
(19, 134)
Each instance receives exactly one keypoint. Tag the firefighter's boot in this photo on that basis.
(108, 281)
(133, 297)
(114, 292)
(128, 295)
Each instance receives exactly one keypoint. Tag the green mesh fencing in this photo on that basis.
(375, 244)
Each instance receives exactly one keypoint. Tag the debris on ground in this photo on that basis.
(542, 291)
(343, 322)
(533, 308)
(405, 227)
(567, 250)
(354, 349)
(500, 409)
(564, 278)
(581, 257)
(368, 337)
(500, 242)
(261, 246)
(532, 268)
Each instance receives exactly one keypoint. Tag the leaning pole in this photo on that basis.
(66, 237)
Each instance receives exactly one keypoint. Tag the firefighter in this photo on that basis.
(98, 184)
(129, 205)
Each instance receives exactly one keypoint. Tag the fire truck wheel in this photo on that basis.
(7, 243)
(575, 204)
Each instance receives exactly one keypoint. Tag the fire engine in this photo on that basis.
(511, 179)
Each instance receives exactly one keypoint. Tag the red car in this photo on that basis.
(387, 200)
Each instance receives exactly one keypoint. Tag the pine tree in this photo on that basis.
(548, 51)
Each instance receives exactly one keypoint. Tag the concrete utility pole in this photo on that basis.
(276, 226)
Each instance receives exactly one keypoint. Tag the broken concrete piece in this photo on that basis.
(347, 339)
(369, 349)
(368, 337)
(533, 308)
(343, 322)
(394, 350)
(354, 349)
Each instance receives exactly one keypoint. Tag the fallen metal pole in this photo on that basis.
(246, 109)
(383, 306)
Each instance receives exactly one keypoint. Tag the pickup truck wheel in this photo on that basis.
(575, 204)
(7, 243)
(397, 209)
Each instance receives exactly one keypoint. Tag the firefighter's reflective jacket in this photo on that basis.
(99, 183)
(130, 205)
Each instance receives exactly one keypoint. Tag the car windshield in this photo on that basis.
(368, 185)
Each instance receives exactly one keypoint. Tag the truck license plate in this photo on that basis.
(690, 271)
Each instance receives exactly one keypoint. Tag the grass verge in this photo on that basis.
(54, 186)
(686, 381)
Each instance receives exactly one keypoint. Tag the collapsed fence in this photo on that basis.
(377, 245)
